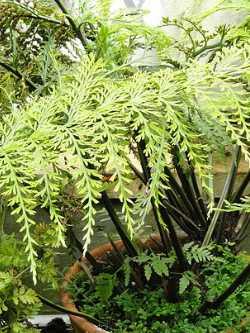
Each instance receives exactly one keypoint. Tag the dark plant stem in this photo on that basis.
(143, 159)
(171, 286)
(196, 188)
(76, 247)
(201, 219)
(118, 253)
(224, 195)
(96, 265)
(174, 239)
(174, 202)
(217, 46)
(76, 29)
(132, 252)
(65, 310)
(137, 271)
(137, 173)
(237, 196)
(164, 214)
(241, 279)
(147, 175)
(163, 232)
(19, 75)
(233, 172)
(187, 225)
(179, 191)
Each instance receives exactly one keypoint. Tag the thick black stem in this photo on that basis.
(241, 279)
(65, 310)
(143, 159)
(76, 29)
(137, 271)
(226, 190)
(147, 175)
(188, 226)
(174, 202)
(19, 75)
(179, 190)
(118, 253)
(96, 265)
(237, 196)
(196, 188)
(233, 172)
(163, 233)
(189, 191)
(132, 252)
(75, 246)
(174, 239)
(137, 173)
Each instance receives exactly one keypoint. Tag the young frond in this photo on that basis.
(198, 254)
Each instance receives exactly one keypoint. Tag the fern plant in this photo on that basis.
(101, 109)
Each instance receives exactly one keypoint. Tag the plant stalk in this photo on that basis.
(224, 195)
(132, 252)
(242, 278)
(179, 190)
(237, 196)
(188, 226)
(189, 191)
(76, 29)
(19, 75)
(62, 309)
(147, 175)
(196, 188)
(174, 239)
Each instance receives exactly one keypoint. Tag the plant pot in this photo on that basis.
(82, 325)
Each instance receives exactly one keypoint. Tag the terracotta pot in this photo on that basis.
(82, 325)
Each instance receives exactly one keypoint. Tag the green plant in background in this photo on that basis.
(18, 302)
(94, 113)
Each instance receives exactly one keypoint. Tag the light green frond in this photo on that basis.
(49, 183)
(244, 206)
(103, 8)
(16, 187)
(222, 97)
(176, 106)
